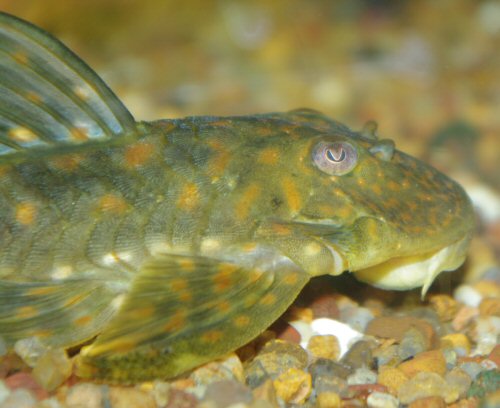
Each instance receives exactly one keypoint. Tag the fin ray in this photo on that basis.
(61, 313)
(184, 311)
(52, 96)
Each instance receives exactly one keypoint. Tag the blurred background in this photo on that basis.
(427, 71)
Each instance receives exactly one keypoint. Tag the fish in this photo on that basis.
(164, 245)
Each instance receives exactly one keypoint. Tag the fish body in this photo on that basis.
(176, 241)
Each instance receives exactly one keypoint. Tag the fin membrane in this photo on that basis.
(61, 314)
(184, 311)
(49, 96)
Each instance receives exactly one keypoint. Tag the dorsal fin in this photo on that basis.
(50, 97)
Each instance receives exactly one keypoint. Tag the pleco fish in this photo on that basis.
(176, 241)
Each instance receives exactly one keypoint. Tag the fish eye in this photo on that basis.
(335, 158)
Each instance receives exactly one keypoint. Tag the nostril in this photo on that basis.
(384, 149)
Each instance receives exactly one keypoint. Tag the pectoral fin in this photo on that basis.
(184, 311)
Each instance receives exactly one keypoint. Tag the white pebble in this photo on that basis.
(20, 398)
(362, 376)
(30, 350)
(344, 333)
(382, 400)
(4, 391)
(468, 296)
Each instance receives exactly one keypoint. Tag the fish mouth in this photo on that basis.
(409, 272)
(378, 254)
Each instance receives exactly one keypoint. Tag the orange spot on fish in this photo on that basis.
(4, 169)
(20, 57)
(112, 203)
(269, 156)
(392, 185)
(291, 278)
(176, 322)
(224, 306)
(189, 197)
(79, 134)
(26, 213)
(187, 265)
(218, 164)
(268, 299)
(178, 284)
(33, 97)
(292, 194)
(142, 312)
(22, 135)
(212, 335)
(184, 296)
(25, 312)
(241, 321)
(223, 278)
(138, 154)
(247, 199)
(83, 321)
(377, 189)
(43, 290)
(68, 162)
(72, 300)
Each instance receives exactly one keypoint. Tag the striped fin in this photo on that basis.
(50, 97)
(184, 311)
(61, 313)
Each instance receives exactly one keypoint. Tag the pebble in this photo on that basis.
(326, 367)
(490, 307)
(392, 377)
(458, 380)
(30, 350)
(4, 391)
(344, 333)
(226, 393)
(324, 347)
(275, 358)
(328, 399)
(428, 402)
(412, 343)
(325, 306)
(266, 393)
(444, 305)
(382, 400)
(293, 386)
(485, 382)
(424, 385)
(229, 368)
(464, 317)
(468, 296)
(387, 355)
(432, 361)
(126, 397)
(24, 380)
(459, 342)
(179, 399)
(362, 376)
(451, 358)
(332, 384)
(84, 395)
(472, 369)
(495, 355)
(358, 318)
(395, 327)
(19, 398)
(486, 334)
(160, 392)
(359, 355)
(52, 369)
(491, 400)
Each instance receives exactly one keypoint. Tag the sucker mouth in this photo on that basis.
(409, 272)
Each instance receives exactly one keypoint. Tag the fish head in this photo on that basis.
(392, 220)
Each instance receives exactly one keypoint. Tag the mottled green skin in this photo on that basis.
(177, 241)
